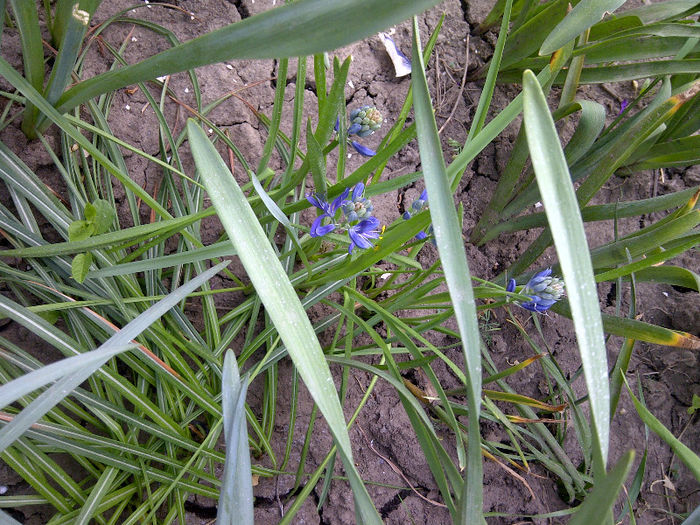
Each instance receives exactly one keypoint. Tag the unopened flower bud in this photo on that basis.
(364, 121)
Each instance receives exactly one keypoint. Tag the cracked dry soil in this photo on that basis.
(386, 451)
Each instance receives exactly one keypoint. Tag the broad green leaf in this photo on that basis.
(80, 230)
(80, 266)
(528, 37)
(582, 16)
(277, 33)
(102, 214)
(448, 236)
(566, 225)
(669, 10)
(281, 301)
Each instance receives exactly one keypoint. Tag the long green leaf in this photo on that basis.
(685, 454)
(599, 503)
(277, 33)
(584, 15)
(236, 500)
(281, 301)
(448, 236)
(566, 225)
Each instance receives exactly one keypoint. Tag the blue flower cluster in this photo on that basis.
(362, 122)
(543, 291)
(356, 217)
(418, 205)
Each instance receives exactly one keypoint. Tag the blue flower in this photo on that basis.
(362, 232)
(363, 150)
(329, 210)
(358, 207)
(356, 216)
(543, 291)
(418, 205)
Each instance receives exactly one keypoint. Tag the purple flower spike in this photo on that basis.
(363, 150)
(542, 290)
(361, 233)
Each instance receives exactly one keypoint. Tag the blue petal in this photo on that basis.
(421, 235)
(317, 230)
(337, 124)
(406, 215)
(357, 191)
(541, 275)
(424, 196)
(363, 150)
(317, 201)
(338, 201)
(358, 240)
(354, 128)
(511, 286)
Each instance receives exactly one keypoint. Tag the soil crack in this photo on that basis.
(241, 8)
(394, 503)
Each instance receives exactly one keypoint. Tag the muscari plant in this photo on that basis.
(158, 395)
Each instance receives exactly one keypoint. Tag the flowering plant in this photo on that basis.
(543, 291)
(356, 217)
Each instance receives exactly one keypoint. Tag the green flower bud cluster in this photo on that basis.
(364, 121)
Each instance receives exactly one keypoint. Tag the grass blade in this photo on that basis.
(281, 301)
(685, 454)
(49, 398)
(566, 225)
(600, 502)
(448, 235)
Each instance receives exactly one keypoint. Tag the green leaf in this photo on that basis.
(316, 160)
(101, 213)
(236, 500)
(584, 15)
(277, 33)
(80, 230)
(566, 225)
(80, 266)
(448, 236)
(685, 454)
(280, 300)
(599, 503)
(695, 405)
(527, 38)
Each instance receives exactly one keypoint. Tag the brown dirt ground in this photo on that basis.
(669, 376)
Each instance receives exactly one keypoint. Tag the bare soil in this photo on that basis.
(386, 451)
